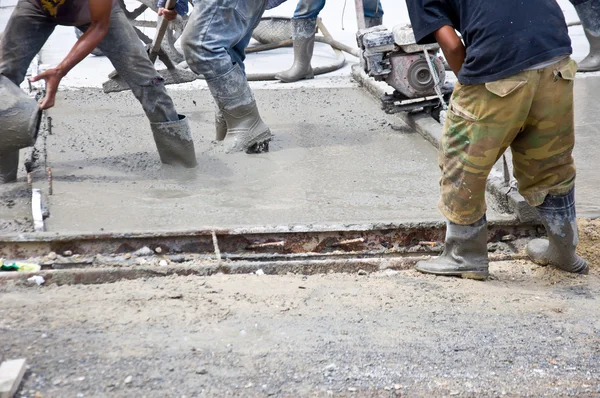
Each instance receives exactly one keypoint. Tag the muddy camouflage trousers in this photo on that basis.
(530, 112)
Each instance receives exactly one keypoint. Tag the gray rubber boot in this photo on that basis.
(589, 14)
(174, 142)
(303, 35)
(560, 220)
(9, 164)
(220, 125)
(372, 22)
(465, 253)
(246, 131)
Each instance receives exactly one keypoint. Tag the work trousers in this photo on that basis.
(217, 34)
(530, 112)
(29, 27)
(312, 8)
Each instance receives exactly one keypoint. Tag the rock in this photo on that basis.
(508, 238)
(260, 272)
(52, 256)
(362, 272)
(128, 379)
(201, 371)
(352, 389)
(56, 382)
(144, 251)
(331, 367)
(67, 253)
(140, 261)
(158, 250)
(163, 263)
(127, 256)
(397, 386)
(38, 280)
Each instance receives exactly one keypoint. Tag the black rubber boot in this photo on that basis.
(246, 131)
(589, 15)
(9, 164)
(303, 35)
(174, 143)
(560, 220)
(464, 255)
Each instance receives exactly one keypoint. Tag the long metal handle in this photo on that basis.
(360, 14)
(160, 32)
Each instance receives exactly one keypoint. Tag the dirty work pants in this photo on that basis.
(530, 112)
(589, 14)
(312, 8)
(217, 34)
(28, 29)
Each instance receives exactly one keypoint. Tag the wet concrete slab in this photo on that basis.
(336, 159)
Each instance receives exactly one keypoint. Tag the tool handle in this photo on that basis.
(160, 32)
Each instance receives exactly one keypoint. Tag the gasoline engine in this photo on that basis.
(414, 71)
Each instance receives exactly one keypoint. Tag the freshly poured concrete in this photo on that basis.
(335, 160)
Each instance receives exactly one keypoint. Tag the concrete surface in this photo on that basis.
(336, 158)
(530, 331)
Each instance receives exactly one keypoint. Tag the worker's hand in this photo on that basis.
(169, 15)
(52, 78)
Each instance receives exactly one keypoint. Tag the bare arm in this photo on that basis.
(452, 47)
(100, 19)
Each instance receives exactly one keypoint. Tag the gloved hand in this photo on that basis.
(181, 8)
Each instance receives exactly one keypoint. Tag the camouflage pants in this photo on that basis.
(530, 112)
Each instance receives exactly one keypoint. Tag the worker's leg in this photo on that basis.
(373, 13)
(308, 9)
(482, 121)
(215, 31)
(544, 167)
(589, 15)
(24, 36)
(129, 57)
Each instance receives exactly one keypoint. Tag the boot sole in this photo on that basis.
(475, 275)
(260, 143)
(284, 80)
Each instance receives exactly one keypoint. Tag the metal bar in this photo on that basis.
(36, 209)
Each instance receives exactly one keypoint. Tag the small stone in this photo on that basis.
(201, 371)
(352, 389)
(82, 378)
(387, 388)
(158, 250)
(508, 238)
(163, 263)
(128, 379)
(79, 395)
(331, 367)
(67, 253)
(140, 261)
(56, 382)
(144, 251)
(52, 256)
(127, 256)
(248, 385)
(397, 386)
(260, 272)
(362, 272)
(454, 393)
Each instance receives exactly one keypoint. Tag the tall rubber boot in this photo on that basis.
(174, 142)
(303, 35)
(464, 255)
(9, 164)
(246, 131)
(589, 14)
(372, 22)
(560, 220)
(220, 125)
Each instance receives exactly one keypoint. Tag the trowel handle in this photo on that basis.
(160, 32)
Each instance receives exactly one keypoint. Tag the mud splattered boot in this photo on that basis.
(372, 22)
(174, 142)
(220, 125)
(246, 131)
(560, 220)
(303, 35)
(465, 253)
(9, 164)
(589, 14)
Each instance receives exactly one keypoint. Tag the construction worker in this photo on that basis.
(214, 42)
(304, 27)
(589, 15)
(515, 90)
(107, 28)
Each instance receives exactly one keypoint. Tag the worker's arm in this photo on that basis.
(100, 19)
(453, 48)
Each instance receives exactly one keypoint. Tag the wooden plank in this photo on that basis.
(11, 374)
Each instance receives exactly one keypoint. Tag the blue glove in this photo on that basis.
(181, 7)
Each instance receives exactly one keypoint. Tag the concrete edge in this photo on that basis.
(507, 198)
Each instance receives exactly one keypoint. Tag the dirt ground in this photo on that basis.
(589, 240)
(529, 331)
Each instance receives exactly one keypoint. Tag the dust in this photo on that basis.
(589, 241)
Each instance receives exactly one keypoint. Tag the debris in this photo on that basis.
(331, 367)
(39, 280)
(128, 379)
(201, 371)
(260, 272)
(248, 385)
(140, 261)
(52, 256)
(56, 382)
(144, 251)
(127, 256)
(176, 296)
(158, 250)
(11, 374)
(362, 272)
(68, 253)
(352, 389)
(163, 263)
(508, 238)
(397, 386)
